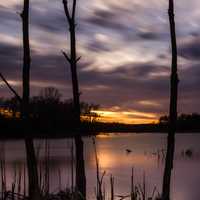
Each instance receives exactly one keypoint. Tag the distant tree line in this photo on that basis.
(48, 112)
(185, 122)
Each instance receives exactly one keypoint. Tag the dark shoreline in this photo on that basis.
(71, 135)
(16, 129)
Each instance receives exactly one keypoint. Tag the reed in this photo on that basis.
(46, 167)
(3, 170)
(111, 187)
(134, 189)
(24, 183)
(142, 188)
(72, 166)
(99, 178)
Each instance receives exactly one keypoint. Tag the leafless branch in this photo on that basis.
(101, 181)
(74, 9)
(66, 56)
(10, 87)
(78, 59)
(65, 3)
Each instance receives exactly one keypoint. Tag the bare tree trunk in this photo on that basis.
(173, 108)
(80, 168)
(30, 152)
(72, 59)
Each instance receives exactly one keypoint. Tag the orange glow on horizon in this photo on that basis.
(126, 117)
(8, 113)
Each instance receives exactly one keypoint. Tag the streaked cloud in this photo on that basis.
(125, 49)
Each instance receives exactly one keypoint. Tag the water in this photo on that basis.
(146, 157)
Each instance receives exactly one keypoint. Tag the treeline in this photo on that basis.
(185, 122)
(53, 117)
(49, 114)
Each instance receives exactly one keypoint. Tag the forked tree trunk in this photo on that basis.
(173, 108)
(72, 59)
(30, 152)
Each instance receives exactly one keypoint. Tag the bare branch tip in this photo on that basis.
(66, 56)
(78, 59)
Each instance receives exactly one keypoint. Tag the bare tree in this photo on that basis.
(31, 158)
(173, 108)
(72, 59)
(34, 192)
(51, 94)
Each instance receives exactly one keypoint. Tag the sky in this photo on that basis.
(124, 48)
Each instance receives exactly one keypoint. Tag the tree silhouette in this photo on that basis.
(50, 93)
(24, 105)
(72, 59)
(173, 108)
(87, 112)
(31, 157)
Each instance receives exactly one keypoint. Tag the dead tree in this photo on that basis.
(34, 191)
(30, 152)
(173, 108)
(72, 59)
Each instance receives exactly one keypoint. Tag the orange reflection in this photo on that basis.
(104, 135)
(108, 159)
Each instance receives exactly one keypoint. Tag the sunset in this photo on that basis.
(99, 100)
(127, 117)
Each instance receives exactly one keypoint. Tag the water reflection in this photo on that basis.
(145, 156)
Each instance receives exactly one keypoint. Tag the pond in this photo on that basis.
(118, 153)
